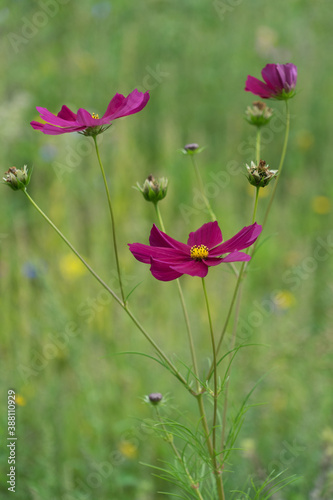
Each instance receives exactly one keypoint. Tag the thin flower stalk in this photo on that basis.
(258, 137)
(227, 375)
(163, 356)
(112, 220)
(218, 472)
(234, 297)
(202, 189)
(281, 164)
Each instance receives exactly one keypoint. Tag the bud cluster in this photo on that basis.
(261, 175)
(153, 189)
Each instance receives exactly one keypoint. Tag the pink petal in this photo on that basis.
(215, 261)
(291, 74)
(162, 271)
(257, 87)
(159, 239)
(115, 103)
(274, 76)
(209, 235)
(85, 118)
(192, 267)
(52, 130)
(133, 103)
(66, 114)
(143, 253)
(288, 74)
(237, 257)
(51, 118)
(243, 239)
(37, 125)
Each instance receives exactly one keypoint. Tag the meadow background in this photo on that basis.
(80, 410)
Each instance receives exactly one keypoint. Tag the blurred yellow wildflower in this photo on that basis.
(321, 205)
(284, 299)
(128, 449)
(71, 267)
(20, 400)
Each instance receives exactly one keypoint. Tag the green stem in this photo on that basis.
(169, 363)
(281, 164)
(218, 474)
(112, 221)
(255, 205)
(238, 282)
(159, 216)
(90, 269)
(202, 189)
(169, 439)
(227, 375)
(258, 145)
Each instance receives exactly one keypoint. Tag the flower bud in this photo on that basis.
(259, 114)
(155, 398)
(17, 178)
(153, 189)
(260, 176)
(192, 149)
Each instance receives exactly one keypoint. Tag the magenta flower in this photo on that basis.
(66, 121)
(280, 82)
(170, 259)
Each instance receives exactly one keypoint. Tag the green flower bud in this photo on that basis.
(259, 114)
(153, 189)
(17, 179)
(260, 176)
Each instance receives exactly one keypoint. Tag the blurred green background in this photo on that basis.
(80, 409)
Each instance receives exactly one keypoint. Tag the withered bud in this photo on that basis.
(259, 114)
(17, 178)
(261, 175)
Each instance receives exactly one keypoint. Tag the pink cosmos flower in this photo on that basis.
(280, 82)
(170, 259)
(66, 121)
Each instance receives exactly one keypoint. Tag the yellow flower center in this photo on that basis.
(199, 252)
(95, 116)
